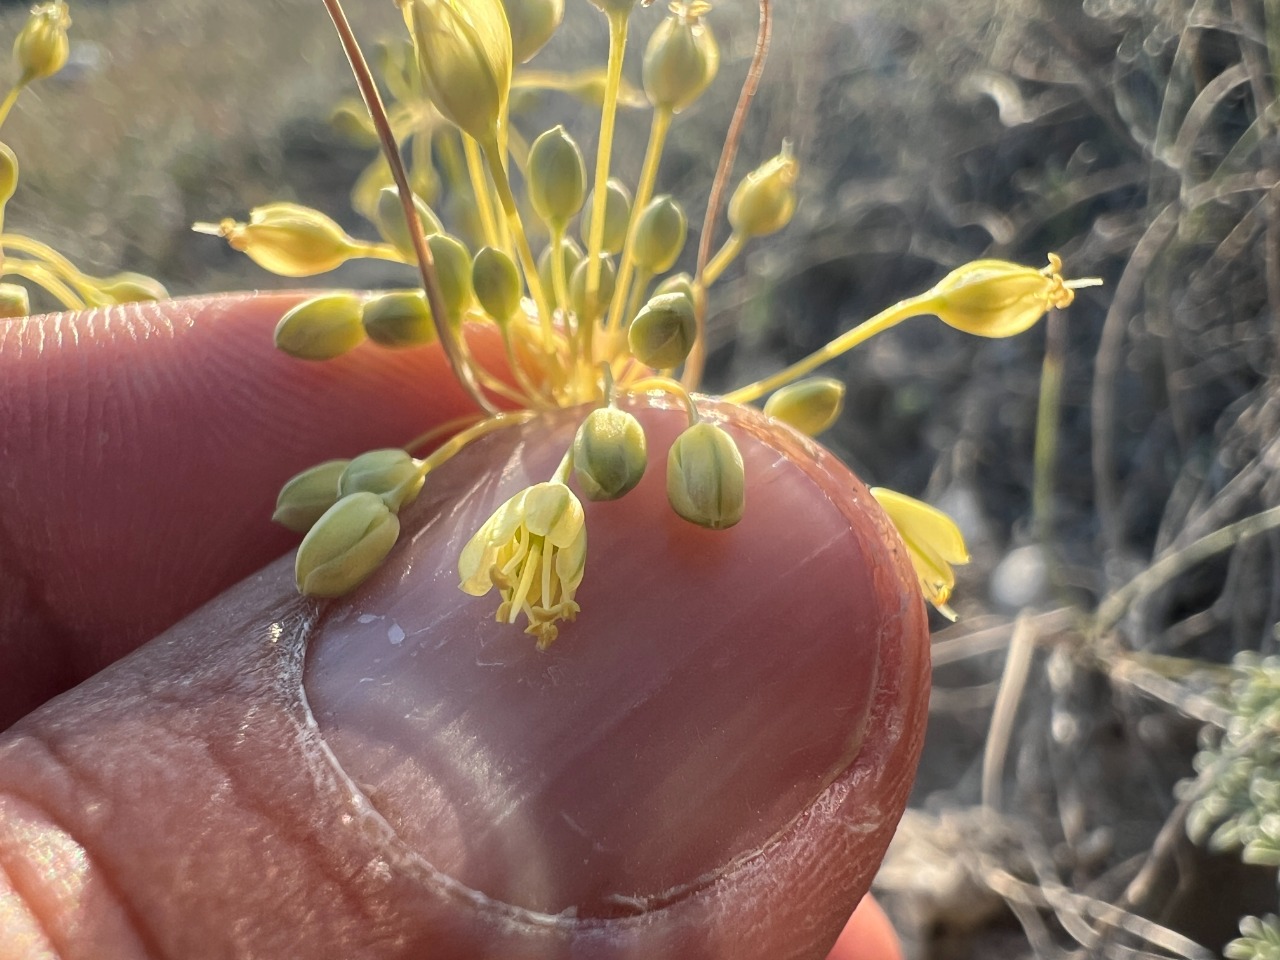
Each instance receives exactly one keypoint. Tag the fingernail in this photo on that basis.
(713, 685)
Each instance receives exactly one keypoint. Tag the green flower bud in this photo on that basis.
(497, 283)
(617, 216)
(287, 239)
(810, 406)
(346, 544)
(766, 197)
(532, 24)
(570, 252)
(131, 287)
(321, 328)
(677, 283)
(556, 178)
(350, 120)
(590, 309)
(390, 221)
(464, 55)
(609, 454)
(14, 301)
(306, 497)
(391, 474)
(706, 483)
(401, 318)
(453, 267)
(8, 173)
(42, 46)
(663, 332)
(661, 229)
(682, 58)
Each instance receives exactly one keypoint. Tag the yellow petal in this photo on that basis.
(933, 542)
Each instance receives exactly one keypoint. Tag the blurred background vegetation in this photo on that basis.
(1101, 779)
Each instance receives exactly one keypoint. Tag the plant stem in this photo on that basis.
(847, 341)
(480, 189)
(426, 264)
(644, 191)
(613, 77)
(724, 256)
(1046, 442)
(39, 274)
(10, 99)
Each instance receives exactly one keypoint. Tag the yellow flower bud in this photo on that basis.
(933, 542)
(570, 252)
(391, 474)
(453, 268)
(287, 239)
(464, 55)
(400, 318)
(321, 328)
(8, 173)
(497, 283)
(306, 496)
(706, 482)
(346, 544)
(680, 283)
(617, 216)
(42, 46)
(390, 221)
(532, 24)
(556, 177)
(662, 333)
(609, 454)
(585, 308)
(809, 406)
(766, 198)
(995, 298)
(131, 287)
(14, 301)
(682, 58)
(661, 229)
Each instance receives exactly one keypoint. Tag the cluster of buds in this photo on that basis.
(595, 316)
(40, 50)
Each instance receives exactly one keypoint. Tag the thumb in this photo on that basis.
(706, 765)
(141, 450)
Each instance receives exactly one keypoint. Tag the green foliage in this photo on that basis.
(1259, 939)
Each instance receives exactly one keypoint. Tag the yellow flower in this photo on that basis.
(533, 549)
(933, 542)
(464, 54)
(996, 298)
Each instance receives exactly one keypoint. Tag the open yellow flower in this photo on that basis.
(533, 549)
(933, 542)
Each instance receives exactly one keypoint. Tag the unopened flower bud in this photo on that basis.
(390, 221)
(617, 216)
(41, 47)
(706, 483)
(14, 301)
(609, 454)
(556, 178)
(391, 474)
(766, 197)
(570, 252)
(453, 268)
(345, 545)
(590, 308)
(809, 406)
(129, 287)
(682, 58)
(464, 55)
(400, 318)
(321, 328)
(352, 122)
(532, 23)
(677, 283)
(995, 298)
(662, 333)
(287, 239)
(8, 173)
(306, 496)
(497, 283)
(661, 229)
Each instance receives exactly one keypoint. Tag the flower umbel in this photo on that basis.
(533, 549)
(933, 542)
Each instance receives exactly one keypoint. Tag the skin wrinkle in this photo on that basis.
(29, 912)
